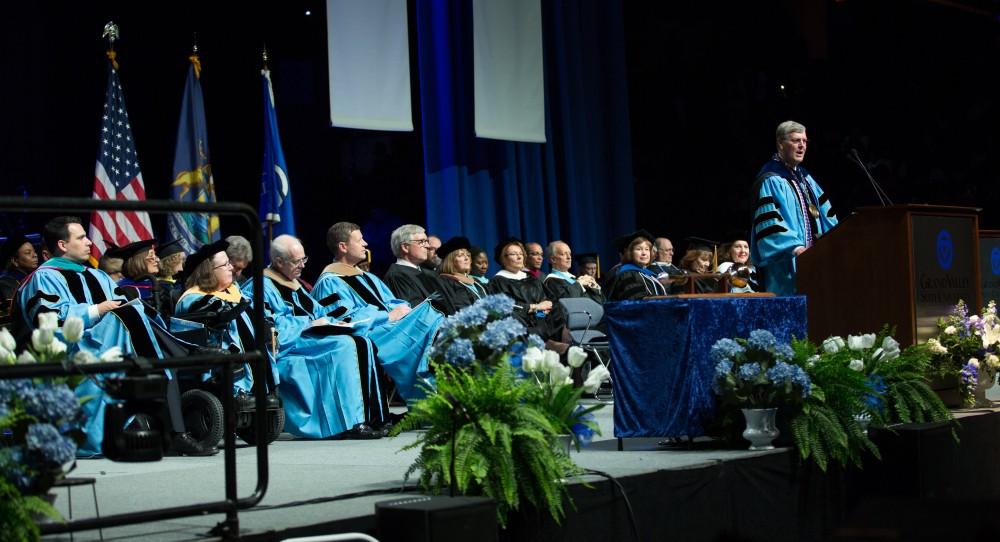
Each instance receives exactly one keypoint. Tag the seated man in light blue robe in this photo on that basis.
(792, 211)
(65, 285)
(329, 378)
(403, 334)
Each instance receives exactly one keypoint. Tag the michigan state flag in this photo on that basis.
(275, 192)
(192, 169)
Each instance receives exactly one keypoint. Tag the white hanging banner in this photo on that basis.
(509, 77)
(369, 58)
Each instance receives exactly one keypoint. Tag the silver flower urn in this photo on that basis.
(761, 429)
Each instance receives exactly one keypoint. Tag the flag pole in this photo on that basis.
(111, 32)
(270, 224)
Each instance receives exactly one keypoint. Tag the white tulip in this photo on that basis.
(40, 339)
(57, 347)
(26, 357)
(868, 340)
(551, 360)
(84, 357)
(857, 365)
(112, 354)
(6, 356)
(48, 320)
(73, 329)
(595, 378)
(890, 348)
(576, 356)
(533, 360)
(7, 340)
(855, 342)
(558, 374)
(832, 345)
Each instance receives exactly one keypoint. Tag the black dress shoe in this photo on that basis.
(185, 444)
(361, 431)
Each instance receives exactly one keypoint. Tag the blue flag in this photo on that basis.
(192, 170)
(275, 191)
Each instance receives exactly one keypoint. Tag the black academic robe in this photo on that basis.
(632, 284)
(410, 284)
(456, 294)
(526, 292)
(557, 288)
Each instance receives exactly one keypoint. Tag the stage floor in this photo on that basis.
(301, 470)
(308, 469)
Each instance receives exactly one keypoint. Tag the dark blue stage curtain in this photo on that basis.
(578, 186)
(661, 368)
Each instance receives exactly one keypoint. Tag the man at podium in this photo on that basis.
(791, 212)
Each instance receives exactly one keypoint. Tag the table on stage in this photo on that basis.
(661, 368)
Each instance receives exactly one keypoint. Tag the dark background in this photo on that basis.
(911, 85)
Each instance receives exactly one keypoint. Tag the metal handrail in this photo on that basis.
(232, 503)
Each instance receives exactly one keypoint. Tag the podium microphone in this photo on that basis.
(883, 198)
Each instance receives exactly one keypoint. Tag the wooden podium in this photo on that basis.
(902, 265)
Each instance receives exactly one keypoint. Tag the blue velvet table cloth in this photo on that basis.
(661, 368)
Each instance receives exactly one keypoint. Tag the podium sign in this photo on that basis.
(989, 264)
(944, 268)
(902, 265)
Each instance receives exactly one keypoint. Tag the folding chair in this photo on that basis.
(582, 315)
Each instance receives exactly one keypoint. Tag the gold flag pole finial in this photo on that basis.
(195, 61)
(111, 32)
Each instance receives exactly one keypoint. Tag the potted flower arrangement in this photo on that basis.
(558, 396)
(856, 381)
(38, 423)
(758, 375)
(497, 408)
(967, 350)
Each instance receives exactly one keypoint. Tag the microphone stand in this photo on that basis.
(883, 198)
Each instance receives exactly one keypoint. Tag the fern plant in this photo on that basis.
(18, 514)
(487, 435)
(865, 378)
(826, 429)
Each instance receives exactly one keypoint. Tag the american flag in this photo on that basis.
(117, 176)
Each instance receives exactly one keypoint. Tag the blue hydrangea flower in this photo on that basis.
(460, 352)
(536, 341)
(780, 373)
(11, 389)
(749, 371)
(762, 339)
(726, 348)
(13, 468)
(51, 403)
(497, 304)
(45, 439)
(723, 368)
(784, 351)
(499, 333)
(471, 316)
(801, 378)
